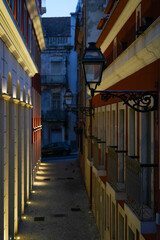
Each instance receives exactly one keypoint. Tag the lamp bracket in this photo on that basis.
(140, 101)
(87, 111)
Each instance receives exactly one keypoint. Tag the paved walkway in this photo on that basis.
(59, 207)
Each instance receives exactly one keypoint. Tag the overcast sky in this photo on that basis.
(60, 8)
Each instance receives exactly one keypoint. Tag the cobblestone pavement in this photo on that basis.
(59, 207)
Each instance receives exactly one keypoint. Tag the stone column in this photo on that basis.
(30, 148)
(26, 152)
(21, 202)
(4, 181)
(13, 167)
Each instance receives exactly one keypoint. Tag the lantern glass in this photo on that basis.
(93, 72)
(68, 97)
(93, 65)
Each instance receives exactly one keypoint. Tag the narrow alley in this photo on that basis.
(59, 207)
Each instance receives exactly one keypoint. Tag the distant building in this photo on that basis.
(21, 42)
(59, 73)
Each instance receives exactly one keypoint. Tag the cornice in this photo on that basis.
(34, 15)
(142, 52)
(11, 36)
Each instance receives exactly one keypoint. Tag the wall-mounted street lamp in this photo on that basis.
(93, 65)
(68, 98)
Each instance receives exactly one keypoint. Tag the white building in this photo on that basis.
(21, 41)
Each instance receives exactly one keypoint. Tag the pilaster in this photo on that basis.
(4, 183)
(13, 167)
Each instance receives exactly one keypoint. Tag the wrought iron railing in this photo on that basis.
(140, 188)
(116, 168)
(58, 40)
(54, 116)
(53, 79)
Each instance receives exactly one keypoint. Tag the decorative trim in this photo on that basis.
(34, 15)
(22, 103)
(12, 37)
(27, 105)
(14, 100)
(5, 97)
(35, 129)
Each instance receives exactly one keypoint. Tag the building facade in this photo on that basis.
(21, 42)
(59, 73)
(121, 160)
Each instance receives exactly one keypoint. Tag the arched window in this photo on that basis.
(18, 90)
(24, 94)
(9, 86)
(29, 96)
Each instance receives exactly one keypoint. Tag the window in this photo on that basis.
(30, 34)
(113, 221)
(147, 155)
(56, 101)
(113, 128)
(131, 235)
(138, 17)
(19, 8)
(56, 68)
(107, 212)
(25, 22)
(11, 3)
(114, 49)
(131, 132)
(121, 227)
(108, 127)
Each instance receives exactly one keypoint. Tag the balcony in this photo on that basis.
(58, 40)
(99, 166)
(140, 188)
(54, 116)
(53, 79)
(116, 169)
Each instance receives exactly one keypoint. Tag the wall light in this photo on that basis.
(68, 98)
(93, 65)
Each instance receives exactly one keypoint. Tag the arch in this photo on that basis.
(29, 97)
(24, 94)
(18, 90)
(9, 84)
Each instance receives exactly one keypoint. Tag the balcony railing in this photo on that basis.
(140, 188)
(53, 79)
(58, 40)
(116, 168)
(54, 116)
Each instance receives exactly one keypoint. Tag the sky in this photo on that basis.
(60, 8)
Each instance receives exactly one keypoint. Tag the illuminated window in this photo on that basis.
(11, 3)
(25, 22)
(30, 34)
(19, 9)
